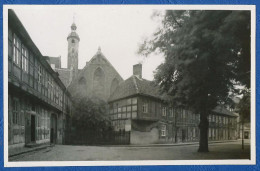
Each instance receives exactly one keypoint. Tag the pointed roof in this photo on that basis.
(73, 32)
(136, 86)
(98, 54)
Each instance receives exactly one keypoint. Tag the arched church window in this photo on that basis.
(72, 41)
(72, 50)
(98, 83)
(114, 85)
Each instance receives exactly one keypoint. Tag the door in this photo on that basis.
(33, 128)
(183, 135)
(27, 128)
(53, 128)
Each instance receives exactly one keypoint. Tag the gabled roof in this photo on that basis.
(135, 86)
(15, 23)
(220, 109)
(64, 75)
(99, 55)
(54, 60)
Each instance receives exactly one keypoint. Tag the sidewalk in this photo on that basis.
(18, 151)
(169, 144)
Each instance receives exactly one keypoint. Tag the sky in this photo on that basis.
(118, 30)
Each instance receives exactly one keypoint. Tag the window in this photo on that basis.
(128, 108)
(134, 100)
(164, 111)
(40, 74)
(209, 118)
(128, 102)
(145, 107)
(134, 108)
(134, 114)
(24, 59)
(171, 112)
(128, 115)
(194, 132)
(15, 111)
(163, 131)
(72, 41)
(17, 50)
(184, 113)
(209, 132)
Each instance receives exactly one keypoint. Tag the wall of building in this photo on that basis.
(148, 137)
(173, 125)
(122, 110)
(35, 92)
(95, 79)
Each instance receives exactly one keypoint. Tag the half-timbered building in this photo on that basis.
(136, 106)
(38, 102)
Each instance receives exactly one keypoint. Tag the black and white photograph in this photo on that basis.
(135, 84)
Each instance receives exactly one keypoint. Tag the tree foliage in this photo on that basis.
(89, 122)
(205, 52)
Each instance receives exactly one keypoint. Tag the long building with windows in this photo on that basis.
(137, 106)
(38, 102)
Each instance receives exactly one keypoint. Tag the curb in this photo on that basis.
(167, 145)
(31, 150)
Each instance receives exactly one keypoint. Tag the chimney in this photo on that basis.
(137, 70)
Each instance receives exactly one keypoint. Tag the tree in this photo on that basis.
(243, 108)
(89, 122)
(203, 53)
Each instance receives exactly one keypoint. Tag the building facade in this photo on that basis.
(38, 102)
(98, 79)
(138, 107)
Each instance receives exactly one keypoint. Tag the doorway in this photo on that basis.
(183, 135)
(33, 128)
(53, 135)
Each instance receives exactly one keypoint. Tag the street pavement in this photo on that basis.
(226, 150)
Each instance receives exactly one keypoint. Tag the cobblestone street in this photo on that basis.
(227, 150)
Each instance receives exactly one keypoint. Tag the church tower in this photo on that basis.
(73, 46)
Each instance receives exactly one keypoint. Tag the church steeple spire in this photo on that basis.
(73, 45)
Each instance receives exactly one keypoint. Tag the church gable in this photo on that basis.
(97, 79)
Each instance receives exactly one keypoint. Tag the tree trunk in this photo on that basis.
(242, 134)
(203, 126)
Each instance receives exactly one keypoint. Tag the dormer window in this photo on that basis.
(72, 41)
